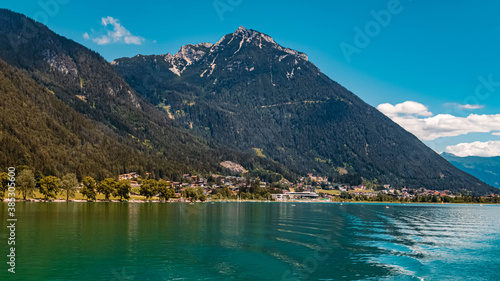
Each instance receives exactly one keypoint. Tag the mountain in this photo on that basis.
(486, 169)
(252, 94)
(244, 99)
(65, 109)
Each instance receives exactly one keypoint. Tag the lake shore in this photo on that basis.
(245, 201)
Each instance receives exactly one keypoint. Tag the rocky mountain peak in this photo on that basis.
(240, 29)
(252, 37)
(226, 48)
(186, 56)
(191, 53)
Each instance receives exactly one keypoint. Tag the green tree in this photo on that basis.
(194, 194)
(4, 183)
(224, 192)
(38, 177)
(123, 189)
(148, 188)
(164, 190)
(201, 195)
(69, 184)
(89, 188)
(190, 194)
(49, 186)
(26, 183)
(106, 187)
(20, 168)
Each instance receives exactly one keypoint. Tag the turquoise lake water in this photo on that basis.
(253, 241)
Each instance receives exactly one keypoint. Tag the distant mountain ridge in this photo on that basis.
(249, 93)
(486, 169)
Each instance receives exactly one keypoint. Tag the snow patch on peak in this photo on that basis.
(210, 68)
(186, 56)
(241, 44)
(296, 53)
(175, 70)
(240, 29)
(189, 53)
(282, 57)
(267, 38)
(220, 41)
(248, 36)
(206, 45)
(168, 57)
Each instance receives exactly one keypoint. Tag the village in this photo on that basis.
(309, 188)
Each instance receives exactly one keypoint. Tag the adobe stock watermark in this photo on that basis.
(363, 36)
(223, 6)
(11, 220)
(122, 275)
(310, 264)
(187, 211)
(48, 9)
(485, 87)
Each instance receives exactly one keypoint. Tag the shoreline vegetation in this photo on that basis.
(132, 187)
(336, 200)
(391, 203)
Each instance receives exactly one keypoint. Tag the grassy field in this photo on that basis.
(365, 191)
(332, 192)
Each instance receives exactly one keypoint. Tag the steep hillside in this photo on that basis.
(40, 131)
(133, 134)
(252, 94)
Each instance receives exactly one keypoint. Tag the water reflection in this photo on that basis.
(257, 241)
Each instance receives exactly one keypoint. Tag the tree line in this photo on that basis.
(420, 198)
(50, 186)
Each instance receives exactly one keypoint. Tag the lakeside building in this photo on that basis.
(128, 176)
(295, 195)
(279, 197)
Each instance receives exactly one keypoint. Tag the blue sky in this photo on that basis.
(436, 54)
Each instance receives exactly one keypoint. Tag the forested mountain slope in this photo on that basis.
(91, 120)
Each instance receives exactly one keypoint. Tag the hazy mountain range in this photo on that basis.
(485, 168)
(245, 99)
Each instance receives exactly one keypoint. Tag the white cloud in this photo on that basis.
(496, 134)
(119, 34)
(471, 106)
(442, 125)
(465, 106)
(483, 149)
(406, 108)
